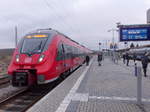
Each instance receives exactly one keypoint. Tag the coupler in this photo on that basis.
(21, 78)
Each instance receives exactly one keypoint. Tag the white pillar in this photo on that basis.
(139, 86)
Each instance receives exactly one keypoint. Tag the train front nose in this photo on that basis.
(20, 79)
(24, 78)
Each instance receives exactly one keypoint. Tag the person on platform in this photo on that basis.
(134, 57)
(144, 61)
(116, 57)
(99, 59)
(127, 58)
(124, 57)
(87, 59)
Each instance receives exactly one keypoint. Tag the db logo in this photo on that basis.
(28, 60)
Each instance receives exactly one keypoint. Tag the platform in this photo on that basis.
(107, 88)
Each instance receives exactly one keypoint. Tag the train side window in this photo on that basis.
(60, 52)
(74, 52)
(63, 49)
(67, 51)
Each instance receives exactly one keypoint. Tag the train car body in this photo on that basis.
(43, 56)
(138, 53)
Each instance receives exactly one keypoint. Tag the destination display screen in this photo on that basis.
(134, 34)
(37, 36)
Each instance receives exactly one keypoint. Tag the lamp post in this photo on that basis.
(113, 42)
(16, 36)
(113, 33)
(99, 45)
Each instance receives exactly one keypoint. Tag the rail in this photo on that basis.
(4, 80)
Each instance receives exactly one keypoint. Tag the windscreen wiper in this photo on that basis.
(38, 47)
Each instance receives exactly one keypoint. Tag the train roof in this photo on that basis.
(141, 49)
(50, 30)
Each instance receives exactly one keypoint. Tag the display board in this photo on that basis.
(134, 32)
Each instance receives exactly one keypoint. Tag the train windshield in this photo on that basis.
(33, 45)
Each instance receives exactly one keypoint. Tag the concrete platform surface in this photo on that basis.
(107, 88)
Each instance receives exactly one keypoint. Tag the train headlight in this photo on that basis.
(17, 58)
(41, 58)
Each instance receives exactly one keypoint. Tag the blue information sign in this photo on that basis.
(136, 33)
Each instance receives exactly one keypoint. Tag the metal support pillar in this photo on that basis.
(139, 85)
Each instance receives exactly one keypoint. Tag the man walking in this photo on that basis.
(124, 58)
(134, 57)
(127, 58)
(99, 59)
(87, 59)
(144, 61)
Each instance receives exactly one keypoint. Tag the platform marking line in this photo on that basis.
(118, 98)
(65, 103)
(84, 97)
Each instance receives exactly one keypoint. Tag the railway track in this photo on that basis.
(4, 80)
(27, 97)
(24, 99)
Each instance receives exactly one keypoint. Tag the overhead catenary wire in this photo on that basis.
(58, 15)
(52, 5)
(54, 14)
(65, 12)
(68, 14)
(77, 30)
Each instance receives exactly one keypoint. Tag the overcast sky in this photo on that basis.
(85, 21)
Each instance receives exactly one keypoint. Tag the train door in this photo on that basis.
(63, 57)
(60, 58)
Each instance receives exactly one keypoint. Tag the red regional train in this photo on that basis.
(43, 56)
